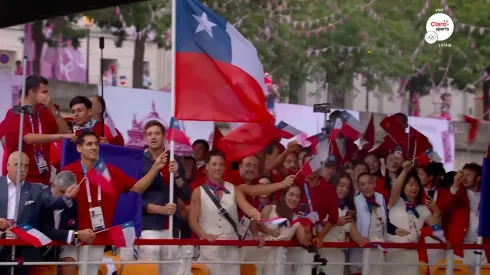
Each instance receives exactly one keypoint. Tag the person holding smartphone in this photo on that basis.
(345, 228)
(436, 199)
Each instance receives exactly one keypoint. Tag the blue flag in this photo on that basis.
(129, 161)
(484, 223)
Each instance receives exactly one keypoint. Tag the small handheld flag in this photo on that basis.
(99, 174)
(434, 231)
(287, 131)
(176, 133)
(337, 129)
(428, 156)
(30, 235)
(378, 247)
(278, 222)
(351, 127)
(123, 235)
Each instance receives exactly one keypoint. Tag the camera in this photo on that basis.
(324, 108)
(26, 109)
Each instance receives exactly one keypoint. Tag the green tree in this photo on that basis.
(459, 64)
(60, 29)
(150, 22)
(264, 24)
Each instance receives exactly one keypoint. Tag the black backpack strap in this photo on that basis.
(222, 211)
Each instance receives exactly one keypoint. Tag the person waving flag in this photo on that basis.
(218, 74)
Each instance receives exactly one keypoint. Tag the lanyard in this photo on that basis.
(308, 198)
(87, 187)
(40, 128)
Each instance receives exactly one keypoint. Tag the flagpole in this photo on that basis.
(479, 257)
(19, 149)
(172, 111)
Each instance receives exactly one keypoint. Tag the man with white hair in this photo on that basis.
(62, 225)
(30, 203)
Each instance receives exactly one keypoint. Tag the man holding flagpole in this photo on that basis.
(155, 200)
(101, 185)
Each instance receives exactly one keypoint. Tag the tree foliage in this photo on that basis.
(144, 22)
(332, 41)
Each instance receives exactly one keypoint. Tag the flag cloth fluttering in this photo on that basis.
(474, 125)
(30, 235)
(123, 235)
(286, 131)
(352, 128)
(219, 76)
(99, 174)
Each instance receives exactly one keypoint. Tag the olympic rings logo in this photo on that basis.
(430, 37)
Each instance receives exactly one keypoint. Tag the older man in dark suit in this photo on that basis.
(30, 203)
(62, 225)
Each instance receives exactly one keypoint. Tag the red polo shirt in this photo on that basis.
(11, 127)
(121, 182)
(324, 200)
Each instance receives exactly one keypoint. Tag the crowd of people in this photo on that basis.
(360, 196)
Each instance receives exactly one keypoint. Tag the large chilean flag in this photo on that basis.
(219, 76)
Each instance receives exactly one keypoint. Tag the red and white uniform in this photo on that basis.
(443, 198)
(372, 225)
(401, 218)
(336, 255)
(463, 227)
(214, 223)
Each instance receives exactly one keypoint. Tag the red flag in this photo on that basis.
(474, 125)
(394, 128)
(247, 140)
(419, 139)
(217, 136)
(367, 141)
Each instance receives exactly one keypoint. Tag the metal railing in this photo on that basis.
(187, 251)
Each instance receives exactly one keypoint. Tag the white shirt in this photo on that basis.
(472, 233)
(12, 196)
(400, 218)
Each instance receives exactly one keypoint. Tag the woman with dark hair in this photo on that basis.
(374, 165)
(407, 212)
(276, 229)
(447, 180)
(265, 200)
(394, 160)
(371, 224)
(345, 228)
(359, 168)
(436, 199)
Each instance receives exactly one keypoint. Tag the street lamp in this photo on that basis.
(89, 23)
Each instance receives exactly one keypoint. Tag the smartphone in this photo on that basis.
(351, 213)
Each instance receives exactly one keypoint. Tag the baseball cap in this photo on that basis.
(331, 160)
